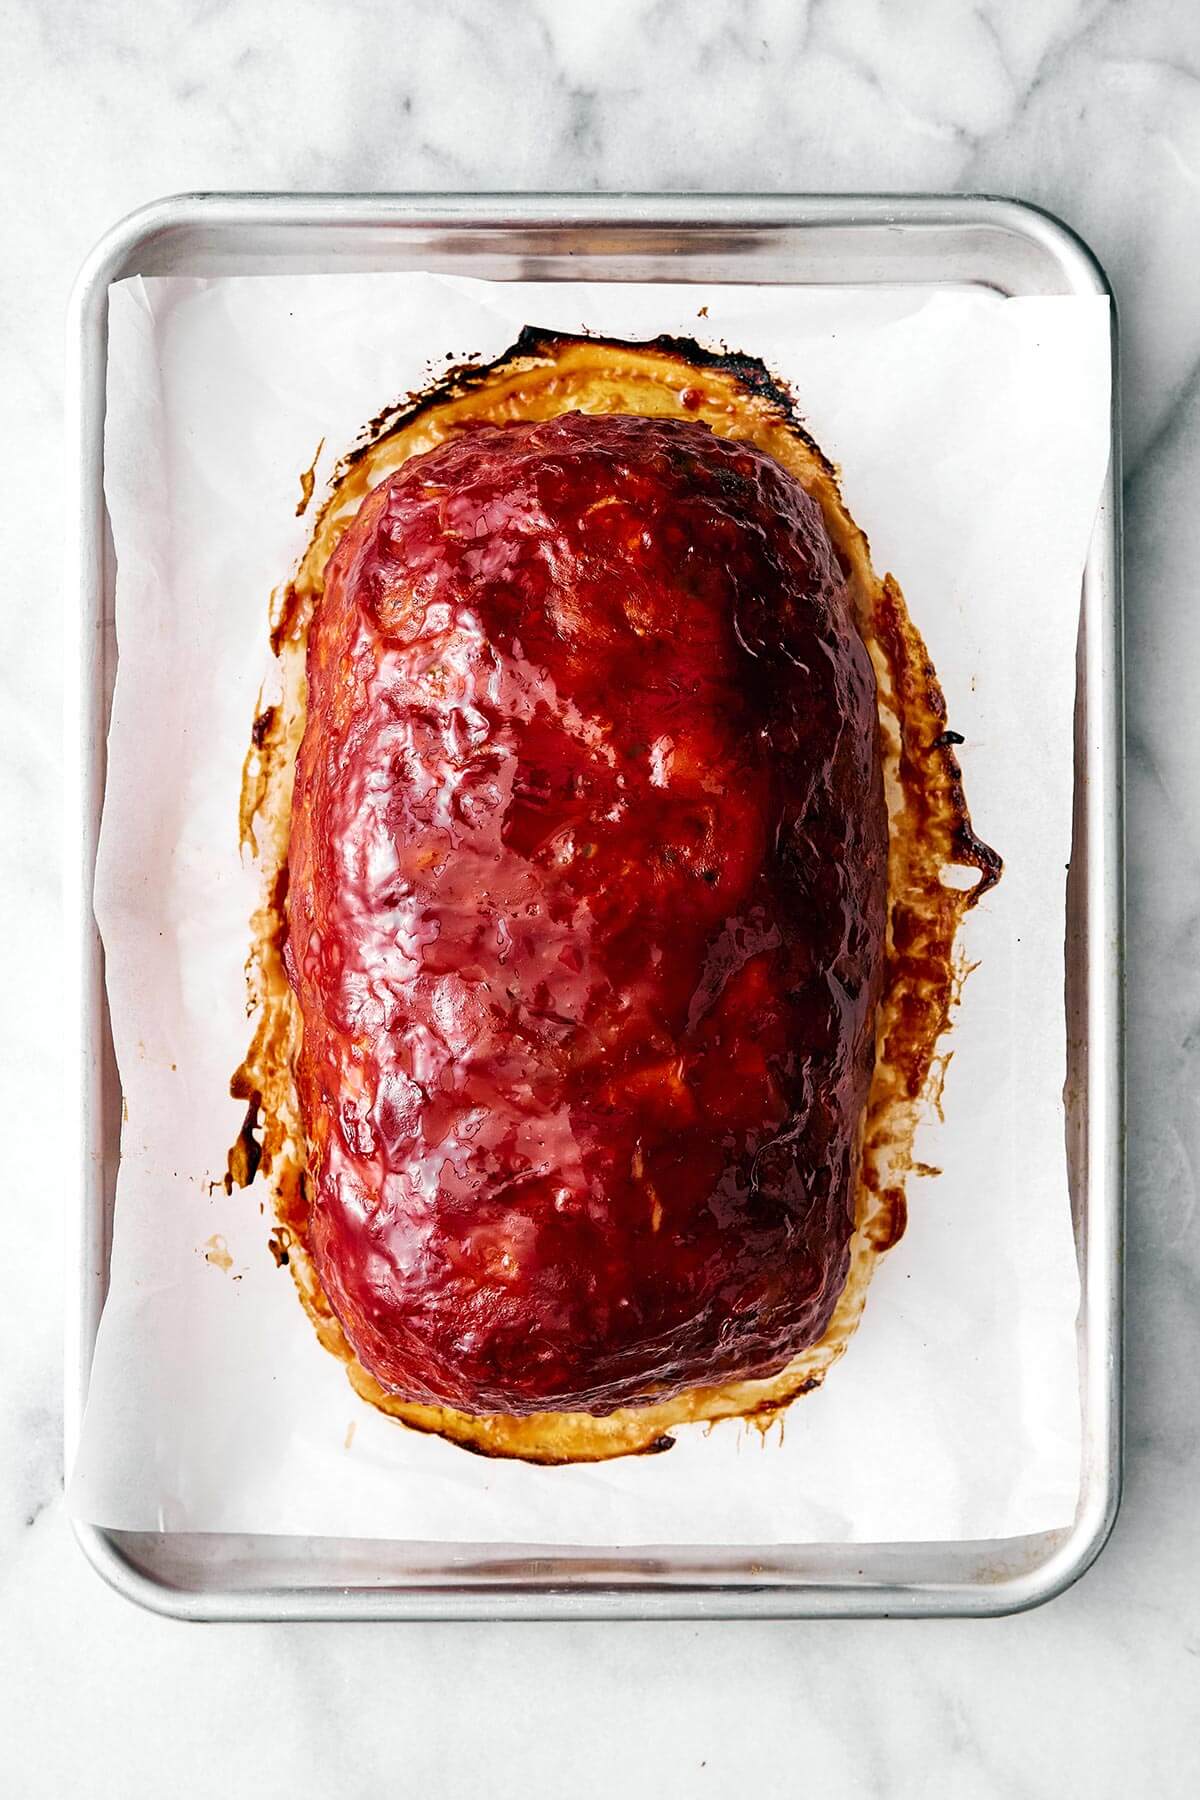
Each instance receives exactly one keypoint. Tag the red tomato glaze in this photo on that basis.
(588, 879)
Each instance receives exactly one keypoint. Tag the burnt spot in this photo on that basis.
(279, 1244)
(263, 726)
(245, 1153)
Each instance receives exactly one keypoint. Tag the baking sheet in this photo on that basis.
(972, 432)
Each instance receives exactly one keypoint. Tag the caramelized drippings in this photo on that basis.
(308, 478)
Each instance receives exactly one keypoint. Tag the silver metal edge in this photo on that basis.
(541, 1602)
(84, 410)
(114, 256)
(86, 345)
(1103, 1303)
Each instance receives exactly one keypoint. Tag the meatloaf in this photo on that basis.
(586, 916)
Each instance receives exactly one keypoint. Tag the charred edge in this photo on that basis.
(911, 666)
(279, 1244)
(970, 849)
(922, 985)
(264, 726)
(455, 383)
(537, 344)
(764, 1412)
(245, 1153)
(546, 1459)
(289, 609)
(749, 372)
(889, 1225)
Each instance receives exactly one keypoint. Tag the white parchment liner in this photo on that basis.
(971, 432)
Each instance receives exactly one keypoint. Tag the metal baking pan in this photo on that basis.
(870, 239)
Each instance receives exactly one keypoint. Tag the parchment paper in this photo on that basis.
(972, 436)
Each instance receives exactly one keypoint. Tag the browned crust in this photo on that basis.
(930, 829)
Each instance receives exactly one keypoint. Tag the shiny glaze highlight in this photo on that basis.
(588, 889)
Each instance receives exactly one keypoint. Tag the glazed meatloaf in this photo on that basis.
(586, 917)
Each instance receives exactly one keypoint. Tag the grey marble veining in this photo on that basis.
(1092, 109)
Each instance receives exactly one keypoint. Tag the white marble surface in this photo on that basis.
(1093, 109)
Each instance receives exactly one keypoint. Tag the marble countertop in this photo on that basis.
(1091, 107)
